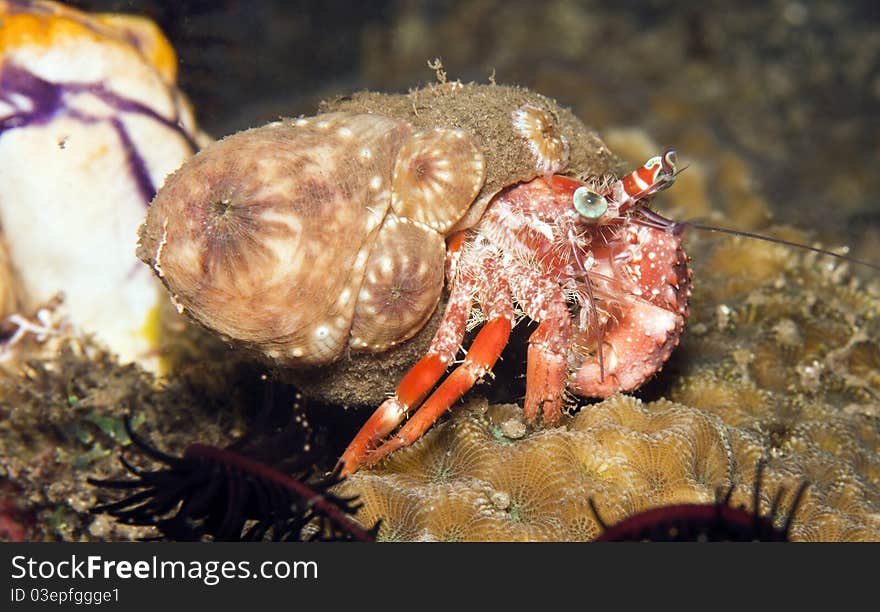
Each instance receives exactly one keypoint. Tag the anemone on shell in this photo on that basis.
(303, 238)
(547, 143)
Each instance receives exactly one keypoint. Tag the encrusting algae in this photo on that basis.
(63, 402)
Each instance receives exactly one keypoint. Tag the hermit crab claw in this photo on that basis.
(669, 159)
(668, 170)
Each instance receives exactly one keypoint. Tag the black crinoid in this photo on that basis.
(718, 522)
(236, 493)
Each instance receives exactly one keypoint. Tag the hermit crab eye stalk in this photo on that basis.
(589, 204)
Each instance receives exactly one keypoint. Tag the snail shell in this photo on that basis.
(306, 237)
(281, 167)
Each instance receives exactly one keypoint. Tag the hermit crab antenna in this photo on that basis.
(684, 225)
(650, 218)
(646, 216)
(594, 313)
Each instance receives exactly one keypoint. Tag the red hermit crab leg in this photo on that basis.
(546, 366)
(480, 358)
(416, 384)
(546, 372)
(422, 377)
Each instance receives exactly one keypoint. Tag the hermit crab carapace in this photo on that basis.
(313, 239)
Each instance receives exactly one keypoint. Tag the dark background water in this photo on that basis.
(788, 90)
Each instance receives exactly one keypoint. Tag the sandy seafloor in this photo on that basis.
(774, 107)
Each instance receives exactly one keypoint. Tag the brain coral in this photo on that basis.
(780, 363)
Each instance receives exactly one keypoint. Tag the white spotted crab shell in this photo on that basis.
(306, 238)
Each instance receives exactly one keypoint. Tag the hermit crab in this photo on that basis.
(313, 239)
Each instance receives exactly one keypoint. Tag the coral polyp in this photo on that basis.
(626, 458)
